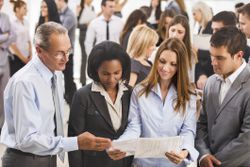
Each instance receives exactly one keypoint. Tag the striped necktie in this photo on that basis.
(58, 117)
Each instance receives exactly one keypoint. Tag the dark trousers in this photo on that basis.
(83, 30)
(16, 158)
(15, 64)
(70, 86)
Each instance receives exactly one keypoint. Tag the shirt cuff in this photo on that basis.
(202, 157)
(70, 144)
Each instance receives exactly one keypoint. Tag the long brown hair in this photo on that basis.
(180, 79)
(182, 20)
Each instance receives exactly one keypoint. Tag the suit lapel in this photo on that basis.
(235, 88)
(125, 108)
(101, 106)
(216, 91)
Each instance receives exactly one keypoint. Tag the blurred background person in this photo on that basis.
(48, 12)
(141, 44)
(165, 19)
(21, 47)
(118, 7)
(237, 6)
(155, 13)
(202, 14)
(137, 17)
(7, 36)
(107, 26)
(68, 20)
(244, 19)
(102, 106)
(85, 14)
(179, 28)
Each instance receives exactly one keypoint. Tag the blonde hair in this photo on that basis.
(141, 38)
(206, 12)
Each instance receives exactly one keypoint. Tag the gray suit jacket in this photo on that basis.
(224, 130)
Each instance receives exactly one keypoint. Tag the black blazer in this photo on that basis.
(89, 112)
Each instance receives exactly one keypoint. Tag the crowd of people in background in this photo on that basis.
(148, 79)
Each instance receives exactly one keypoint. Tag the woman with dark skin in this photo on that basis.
(101, 107)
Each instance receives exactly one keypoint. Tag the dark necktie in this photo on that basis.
(107, 31)
(58, 119)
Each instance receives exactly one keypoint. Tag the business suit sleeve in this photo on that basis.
(76, 126)
(202, 142)
(237, 151)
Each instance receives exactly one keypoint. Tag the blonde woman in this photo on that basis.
(141, 44)
(202, 14)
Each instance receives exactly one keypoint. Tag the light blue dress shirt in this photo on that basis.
(151, 117)
(29, 112)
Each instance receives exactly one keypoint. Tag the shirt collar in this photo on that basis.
(235, 74)
(42, 69)
(63, 10)
(97, 87)
(157, 90)
(103, 18)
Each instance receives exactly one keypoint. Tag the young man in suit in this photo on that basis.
(223, 129)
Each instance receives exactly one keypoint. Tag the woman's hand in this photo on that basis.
(115, 154)
(177, 157)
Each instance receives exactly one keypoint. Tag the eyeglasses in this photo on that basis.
(62, 54)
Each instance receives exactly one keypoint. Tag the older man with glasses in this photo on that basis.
(33, 128)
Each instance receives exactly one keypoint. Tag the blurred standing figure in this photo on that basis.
(223, 130)
(164, 21)
(237, 6)
(244, 19)
(202, 14)
(85, 14)
(68, 20)
(102, 106)
(118, 7)
(155, 13)
(6, 38)
(21, 47)
(141, 44)
(48, 12)
(105, 27)
(137, 17)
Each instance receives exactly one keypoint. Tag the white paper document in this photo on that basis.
(149, 147)
(202, 41)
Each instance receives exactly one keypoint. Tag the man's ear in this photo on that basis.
(38, 49)
(240, 54)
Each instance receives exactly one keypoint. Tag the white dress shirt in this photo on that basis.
(96, 31)
(115, 109)
(29, 112)
(21, 29)
(227, 82)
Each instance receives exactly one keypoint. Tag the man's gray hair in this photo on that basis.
(44, 31)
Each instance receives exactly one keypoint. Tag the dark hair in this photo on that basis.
(238, 5)
(161, 29)
(107, 51)
(231, 38)
(245, 9)
(52, 13)
(157, 11)
(146, 10)
(17, 4)
(133, 19)
(104, 2)
(228, 18)
(182, 20)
